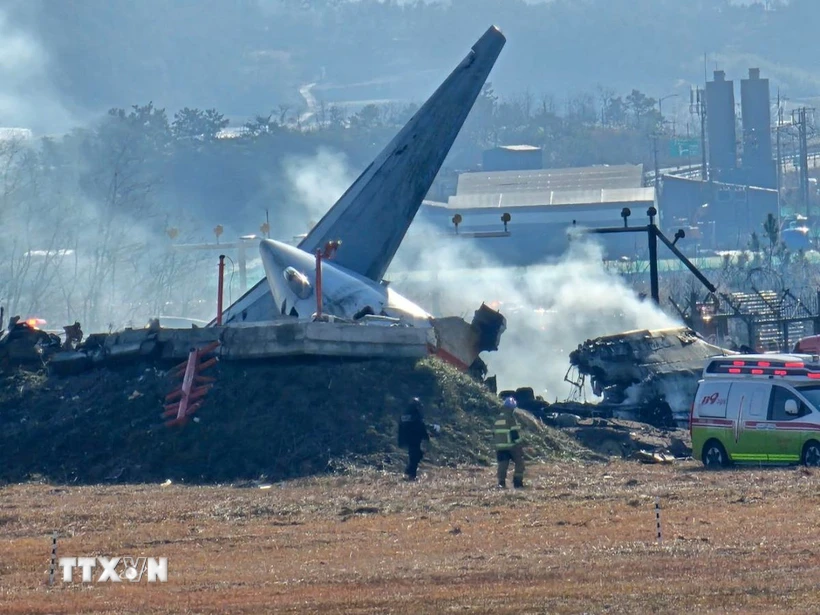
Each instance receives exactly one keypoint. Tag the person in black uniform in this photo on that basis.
(412, 432)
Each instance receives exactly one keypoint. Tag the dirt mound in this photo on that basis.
(271, 420)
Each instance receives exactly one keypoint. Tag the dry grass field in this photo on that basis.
(580, 539)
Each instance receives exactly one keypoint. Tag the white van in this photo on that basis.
(758, 409)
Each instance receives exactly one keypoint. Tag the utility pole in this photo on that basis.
(779, 159)
(652, 234)
(803, 154)
(688, 149)
(657, 169)
(697, 104)
(704, 174)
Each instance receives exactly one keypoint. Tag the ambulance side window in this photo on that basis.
(777, 405)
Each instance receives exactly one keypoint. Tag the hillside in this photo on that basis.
(263, 420)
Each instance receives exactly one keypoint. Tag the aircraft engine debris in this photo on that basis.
(645, 375)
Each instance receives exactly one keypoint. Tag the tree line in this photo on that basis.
(90, 219)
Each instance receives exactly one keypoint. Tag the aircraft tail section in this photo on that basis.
(373, 215)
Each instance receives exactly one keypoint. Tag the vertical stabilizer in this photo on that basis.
(372, 217)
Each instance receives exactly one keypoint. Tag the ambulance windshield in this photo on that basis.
(812, 394)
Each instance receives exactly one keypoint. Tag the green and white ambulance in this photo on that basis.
(757, 409)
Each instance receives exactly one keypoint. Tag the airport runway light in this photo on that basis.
(218, 230)
(653, 235)
(505, 218)
(456, 221)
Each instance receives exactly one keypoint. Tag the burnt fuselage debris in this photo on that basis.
(645, 375)
(22, 342)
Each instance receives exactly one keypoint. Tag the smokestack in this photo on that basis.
(720, 126)
(759, 168)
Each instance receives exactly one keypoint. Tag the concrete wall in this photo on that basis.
(270, 339)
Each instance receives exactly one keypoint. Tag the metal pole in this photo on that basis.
(779, 158)
(53, 558)
(658, 519)
(817, 315)
(658, 235)
(655, 156)
(318, 284)
(784, 347)
(219, 291)
(653, 256)
(695, 271)
(702, 108)
(688, 148)
(804, 157)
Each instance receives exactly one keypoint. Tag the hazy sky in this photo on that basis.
(66, 62)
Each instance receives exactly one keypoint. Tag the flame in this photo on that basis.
(35, 323)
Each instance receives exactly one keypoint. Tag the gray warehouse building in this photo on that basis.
(543, 205)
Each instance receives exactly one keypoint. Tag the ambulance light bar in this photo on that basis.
(756, 367)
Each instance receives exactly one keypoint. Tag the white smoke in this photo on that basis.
(315, 183)
(27, 98)
(550, 308)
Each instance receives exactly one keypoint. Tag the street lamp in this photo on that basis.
(660, 104)
(663, 98)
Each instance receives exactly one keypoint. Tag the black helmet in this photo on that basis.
(415, 405)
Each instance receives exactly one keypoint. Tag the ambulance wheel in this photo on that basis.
(714, 455)
(811, 453)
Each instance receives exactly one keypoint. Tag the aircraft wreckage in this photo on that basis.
(365, 228)
(368, 223)
(646, 375)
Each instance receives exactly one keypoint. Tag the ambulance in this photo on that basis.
(761, 409)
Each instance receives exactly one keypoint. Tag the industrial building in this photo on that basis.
(719, 212)
(720, 127)
(752, 163)
(757, 163)
(715, 215)
(741, 190)
(543, 205)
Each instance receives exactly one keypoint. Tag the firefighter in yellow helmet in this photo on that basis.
(509, 445)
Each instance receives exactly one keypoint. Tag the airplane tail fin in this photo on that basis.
(373, 215)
